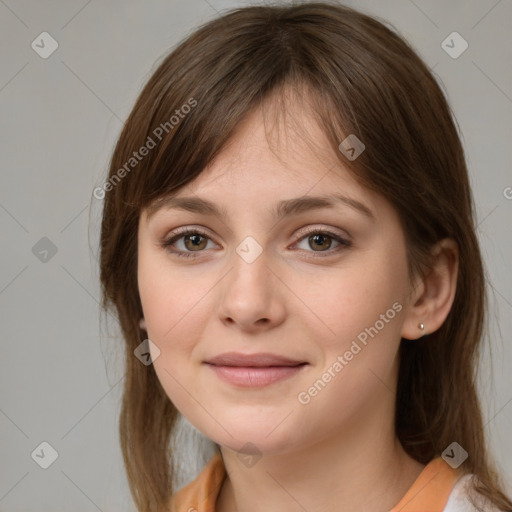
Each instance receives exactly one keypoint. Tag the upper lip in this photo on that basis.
(261, 359)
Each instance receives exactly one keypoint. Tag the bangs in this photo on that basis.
(287, 109)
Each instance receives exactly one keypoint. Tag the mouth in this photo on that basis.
(254, 370)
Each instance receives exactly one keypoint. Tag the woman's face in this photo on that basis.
(274, 271)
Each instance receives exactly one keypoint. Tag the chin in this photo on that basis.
(247, 435)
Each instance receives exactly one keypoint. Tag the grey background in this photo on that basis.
(60, 375)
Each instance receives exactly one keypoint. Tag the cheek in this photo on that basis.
(171, 301)
(172, 305)
(359, 361)
(340, 305)
(359, 316)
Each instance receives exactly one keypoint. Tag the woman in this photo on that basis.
(288, 236)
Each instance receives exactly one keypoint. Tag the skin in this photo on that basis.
(341, 447)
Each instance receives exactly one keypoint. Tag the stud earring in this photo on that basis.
(421, 326)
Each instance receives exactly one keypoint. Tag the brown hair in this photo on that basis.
(363, 79)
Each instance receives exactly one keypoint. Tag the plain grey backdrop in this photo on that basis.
(61, 109)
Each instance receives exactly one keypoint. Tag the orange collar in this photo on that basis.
(201, 494)
(429, 493)
(431, 490)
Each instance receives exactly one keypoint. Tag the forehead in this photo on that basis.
(272, 150)
(277, 158)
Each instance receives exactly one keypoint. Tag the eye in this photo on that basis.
(321, 241)
(191, 241)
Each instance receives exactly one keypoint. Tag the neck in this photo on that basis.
(362, 468)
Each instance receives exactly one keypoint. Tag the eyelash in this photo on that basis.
(167, 244)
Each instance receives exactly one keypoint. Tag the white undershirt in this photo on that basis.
(459, 498)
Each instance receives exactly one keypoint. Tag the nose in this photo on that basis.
(252, 296)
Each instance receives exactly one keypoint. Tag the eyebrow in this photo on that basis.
(282, 209)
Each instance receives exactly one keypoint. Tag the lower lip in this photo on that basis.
(255, 377)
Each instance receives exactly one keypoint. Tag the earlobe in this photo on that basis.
(434, 294)
(412, 331)
(142, 324)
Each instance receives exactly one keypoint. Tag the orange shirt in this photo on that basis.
(429, 493)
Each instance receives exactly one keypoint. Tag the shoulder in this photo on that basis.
(459, 500)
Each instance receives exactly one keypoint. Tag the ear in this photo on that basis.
(433, 294)
(142, 324)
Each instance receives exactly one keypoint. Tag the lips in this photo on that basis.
(254, 370)
(253, 360)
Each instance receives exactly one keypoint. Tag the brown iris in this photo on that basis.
(320, 241)
(195, 242)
